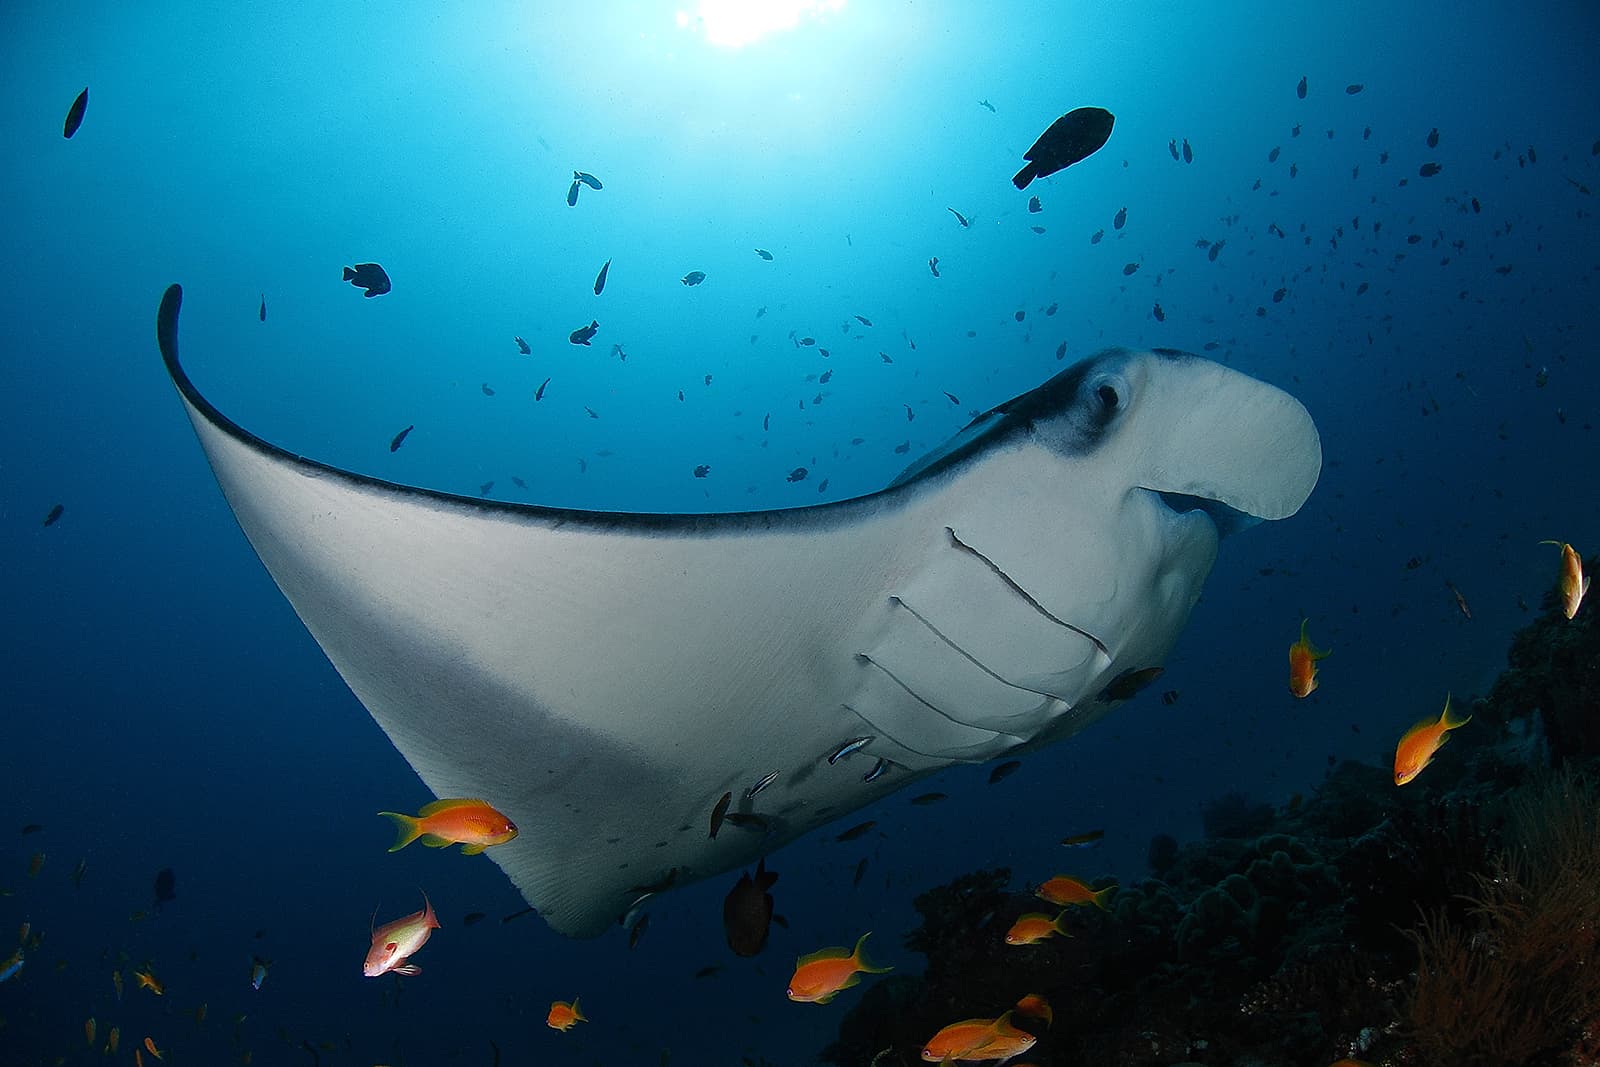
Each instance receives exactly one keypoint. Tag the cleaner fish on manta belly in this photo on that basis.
(606, 677)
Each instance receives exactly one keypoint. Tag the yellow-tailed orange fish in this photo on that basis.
(978, 1040)
(1303, 657)
(113, 1039)
(138, 1058)
(472, 824)
(1035, 1006)
(956, 1040)
(147, 980)
(394, 942)
(1033, 928)
(1065, 891)
(150, 1045)
(820, 976)
(88, 1031)
(1007, 1042)
(1572, 585)
(1420, 744)
(564, 1016)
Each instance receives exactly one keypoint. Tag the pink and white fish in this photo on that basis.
(393, 943)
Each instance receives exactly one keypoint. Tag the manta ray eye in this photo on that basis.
(1108, 397)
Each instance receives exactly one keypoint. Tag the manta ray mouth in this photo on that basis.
(1226, 519)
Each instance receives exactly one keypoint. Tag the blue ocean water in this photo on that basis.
(163, 706)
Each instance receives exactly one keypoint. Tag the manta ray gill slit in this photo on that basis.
(994, 568)
(912, 693)
(899, 601)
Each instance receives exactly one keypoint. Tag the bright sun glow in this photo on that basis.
(736, 23)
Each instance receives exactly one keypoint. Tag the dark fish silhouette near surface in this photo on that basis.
(933, 265)
(747, 911)
(1172, 146)
(1353, 88)
(1188, 153)
(400, 438)
(1120, 219)
(1428, 170)
(1072, 138)
(165, 887)
(263, 307)
(764, 254)
(694, 277)
(965, 222)
(1300, 90)
(1433, 137)
(1034, 207)
(582, 334)
(368, 276)
(586, 178)
(600, 279)
(50, 520)
(572, 195)
(985, 103)
(75, 114)
(522, 346)
(542, 386)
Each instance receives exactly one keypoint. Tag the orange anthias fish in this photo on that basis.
(1303, 658)
(564, 1016)
(1572, 585)
(978, 1040)
(1420, 743)
(1065, 891)
(1033, 928)
(1035, 1006)
(819, 977)
(956, 1040)
(147, 980)
(149, 1043)
(472, 824)
(393, 943)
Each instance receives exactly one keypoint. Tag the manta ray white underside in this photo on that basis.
(604, 678)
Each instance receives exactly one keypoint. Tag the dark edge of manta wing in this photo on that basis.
(632, 521)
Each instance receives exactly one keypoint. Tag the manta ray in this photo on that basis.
(604, 678)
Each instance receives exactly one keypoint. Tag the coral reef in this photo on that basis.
(1452, 925)
(1519, 977)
